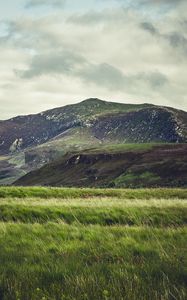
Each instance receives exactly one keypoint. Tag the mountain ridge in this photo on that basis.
(94, 100)
(35, 129)
(31, 141)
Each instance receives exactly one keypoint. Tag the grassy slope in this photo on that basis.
(76, 139)
(128, 165)
(12, 168)
(53, 244)
(118, 148)
(74, 193)
(92, 108)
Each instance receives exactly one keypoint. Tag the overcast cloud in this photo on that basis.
(57, 52)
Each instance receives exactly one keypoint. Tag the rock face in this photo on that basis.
(146, 166)
(106, 121)
(16, 145)
(147, 125)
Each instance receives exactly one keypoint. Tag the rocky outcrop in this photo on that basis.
(147, 125)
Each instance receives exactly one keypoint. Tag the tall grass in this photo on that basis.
(42, 192)
(86, 244)
(131, 216)
(56, 261)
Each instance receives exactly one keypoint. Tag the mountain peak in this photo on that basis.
(92, 101)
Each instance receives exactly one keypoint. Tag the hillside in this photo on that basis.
(12, 167)
(136, 165)
(29, 142)
(106, 121)
(26, 131)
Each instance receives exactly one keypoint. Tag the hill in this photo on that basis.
(135, 165)
(25, 131)
(106, 121)
(29, 142)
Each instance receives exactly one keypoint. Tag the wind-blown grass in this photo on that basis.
(88, 245)
(124, 215)
(56, 261)
(63, 193)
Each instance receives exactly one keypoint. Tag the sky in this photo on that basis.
(58, 52)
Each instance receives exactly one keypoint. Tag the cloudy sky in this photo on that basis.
(57, 52)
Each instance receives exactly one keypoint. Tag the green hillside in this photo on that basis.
(130, 165)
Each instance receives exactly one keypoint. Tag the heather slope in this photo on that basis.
(135, 165)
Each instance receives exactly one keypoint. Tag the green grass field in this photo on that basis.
(84, 244)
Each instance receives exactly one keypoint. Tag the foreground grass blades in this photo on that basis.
(91, 244)
(56, 261)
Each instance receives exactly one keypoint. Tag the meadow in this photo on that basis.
(100, 244)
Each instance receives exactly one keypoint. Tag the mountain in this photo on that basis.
(29, 142)
(26, 131)
(141, 165)
(106, 121)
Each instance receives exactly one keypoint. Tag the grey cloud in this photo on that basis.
(69, 63)
(102, 60)
(149, 27)
(147, 6)
(175, 39)
(54, 3)
(155, 79)
(59, 63)
(114, 79)
(105, 75)
(28, 34)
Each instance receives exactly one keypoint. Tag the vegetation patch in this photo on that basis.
(138, 180)
(129, 166)
(44, 192)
